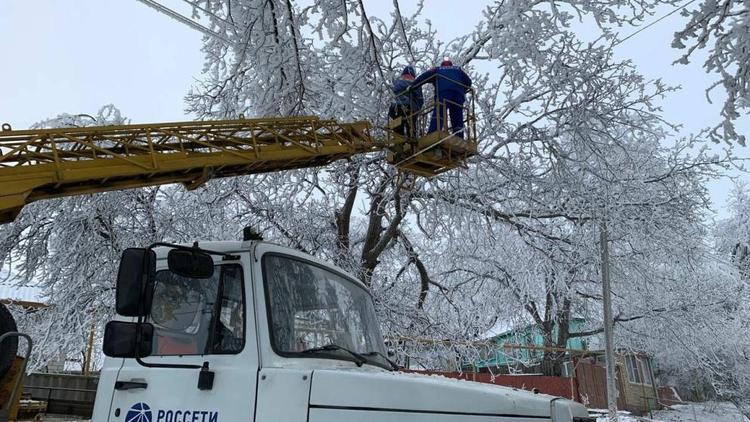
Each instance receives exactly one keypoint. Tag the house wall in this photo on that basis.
(592, 386)
(639, 398)
(528, 336)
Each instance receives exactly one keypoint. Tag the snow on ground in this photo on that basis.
(700, 412)
(688, 412)
(601, 415)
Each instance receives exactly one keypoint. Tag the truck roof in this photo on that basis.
(249, 245)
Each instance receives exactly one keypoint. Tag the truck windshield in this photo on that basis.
(312, 308)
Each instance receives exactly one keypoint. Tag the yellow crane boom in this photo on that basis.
(50, 163)
(39, 164)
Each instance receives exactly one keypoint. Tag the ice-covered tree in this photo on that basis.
(569, 137)
(724, 27)
(726, 357)
(733, 233)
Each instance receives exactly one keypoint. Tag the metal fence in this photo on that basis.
(64, 393)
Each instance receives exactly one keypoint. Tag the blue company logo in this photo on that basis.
(140, 412)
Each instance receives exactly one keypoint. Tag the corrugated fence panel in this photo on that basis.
(64, 393)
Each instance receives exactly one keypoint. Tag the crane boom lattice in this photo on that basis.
(49, 163)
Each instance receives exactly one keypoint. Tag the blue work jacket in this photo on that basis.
(451, 82)
(414, 100)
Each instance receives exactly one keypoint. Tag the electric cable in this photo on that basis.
(183, 19)
(653, 23)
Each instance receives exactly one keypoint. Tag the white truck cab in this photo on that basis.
(251, 331)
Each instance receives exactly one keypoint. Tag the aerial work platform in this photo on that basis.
(433, 154)
(50, 163)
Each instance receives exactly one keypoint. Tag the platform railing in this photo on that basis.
(417, 122)
(425, 149)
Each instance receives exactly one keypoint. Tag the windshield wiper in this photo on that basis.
(360, 360)
(393, 364)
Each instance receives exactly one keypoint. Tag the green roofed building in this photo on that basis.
(520, 350)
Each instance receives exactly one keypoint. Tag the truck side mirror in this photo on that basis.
(137, 268)
(121, 339)
(190, 263)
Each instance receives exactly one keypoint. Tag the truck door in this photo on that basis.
(196, 322)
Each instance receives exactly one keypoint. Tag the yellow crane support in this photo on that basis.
(51, 163)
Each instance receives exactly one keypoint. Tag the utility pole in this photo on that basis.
(89, 349)
(609, 352)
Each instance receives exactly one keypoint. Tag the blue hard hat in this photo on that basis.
(409, 70)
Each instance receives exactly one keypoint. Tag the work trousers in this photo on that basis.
(456, 113)
(408, 126)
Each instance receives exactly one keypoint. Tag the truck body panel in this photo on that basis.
(344, 415)
(172, 394)
(415, 393)
(283, 394)
(292, 304)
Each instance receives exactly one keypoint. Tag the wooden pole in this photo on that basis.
(609, 352)
(89, 350)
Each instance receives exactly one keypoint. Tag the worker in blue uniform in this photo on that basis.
(451, 84)
(406, 103)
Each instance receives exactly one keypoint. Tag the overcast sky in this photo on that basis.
(75, 56)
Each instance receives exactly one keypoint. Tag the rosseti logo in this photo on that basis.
(140, 412)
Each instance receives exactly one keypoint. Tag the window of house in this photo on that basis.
(567, 369)
(645, 366)
(530, 343)
(516, 353)
(634, 375)
(639, 370)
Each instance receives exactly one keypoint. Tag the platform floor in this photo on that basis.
(441, 152)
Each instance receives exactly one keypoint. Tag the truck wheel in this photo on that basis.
(9, 346)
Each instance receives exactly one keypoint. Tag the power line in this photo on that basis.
(653, 23)
(210, 13)
(191, 23)
(187, 21)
